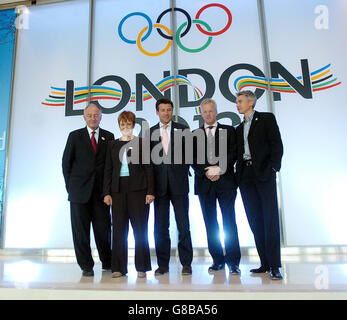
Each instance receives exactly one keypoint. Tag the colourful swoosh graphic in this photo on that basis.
(321, 79)
(57, 95)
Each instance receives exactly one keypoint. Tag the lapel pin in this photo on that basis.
(102, 138)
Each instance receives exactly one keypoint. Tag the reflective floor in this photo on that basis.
(304, 277)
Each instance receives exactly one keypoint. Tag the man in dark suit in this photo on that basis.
(83, 170)
(214, 180)
(260, 151)
(171, 184)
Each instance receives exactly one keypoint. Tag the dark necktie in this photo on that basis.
(93, 141)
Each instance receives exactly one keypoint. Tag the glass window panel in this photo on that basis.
(314, 172)
(130, 76)
(222, 45)
(52, 49)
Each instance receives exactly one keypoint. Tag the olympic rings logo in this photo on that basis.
(182, 30)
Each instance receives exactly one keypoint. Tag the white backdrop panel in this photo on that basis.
(52, 50)
(314, 172)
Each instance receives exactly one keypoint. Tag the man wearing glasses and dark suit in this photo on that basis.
(83, 170)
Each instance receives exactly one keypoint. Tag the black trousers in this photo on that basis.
(97, 213)
(130, 206)
(161, 228)
(208, 203)
(260, 202)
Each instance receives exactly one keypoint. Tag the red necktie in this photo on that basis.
(93, 141)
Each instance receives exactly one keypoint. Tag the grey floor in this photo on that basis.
(48, 277)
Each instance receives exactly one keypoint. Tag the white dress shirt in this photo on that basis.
(96, 135)
(213, 130)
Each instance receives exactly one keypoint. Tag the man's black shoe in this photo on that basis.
(262, 269)
(275, 274)
(216, 267)
(186, 270)
(234, 269)
(106, 268)
(87, 273)
(161, 271)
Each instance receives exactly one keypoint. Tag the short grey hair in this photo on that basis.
(92, 104)
(249, 95)
(209, 100)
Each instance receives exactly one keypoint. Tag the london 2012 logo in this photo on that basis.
(182, 30)
(139, 87)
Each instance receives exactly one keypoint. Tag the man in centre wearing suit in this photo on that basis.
(171, 185)
(214, 180)
(83, 169)
(260, 151)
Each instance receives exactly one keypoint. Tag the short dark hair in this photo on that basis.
(163, 101)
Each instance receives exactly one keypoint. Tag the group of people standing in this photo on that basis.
(100, 172)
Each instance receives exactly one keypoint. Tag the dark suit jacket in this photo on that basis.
(265, 144)
(174, 174)
(83, 170)
(140, 175)
(227, 180)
